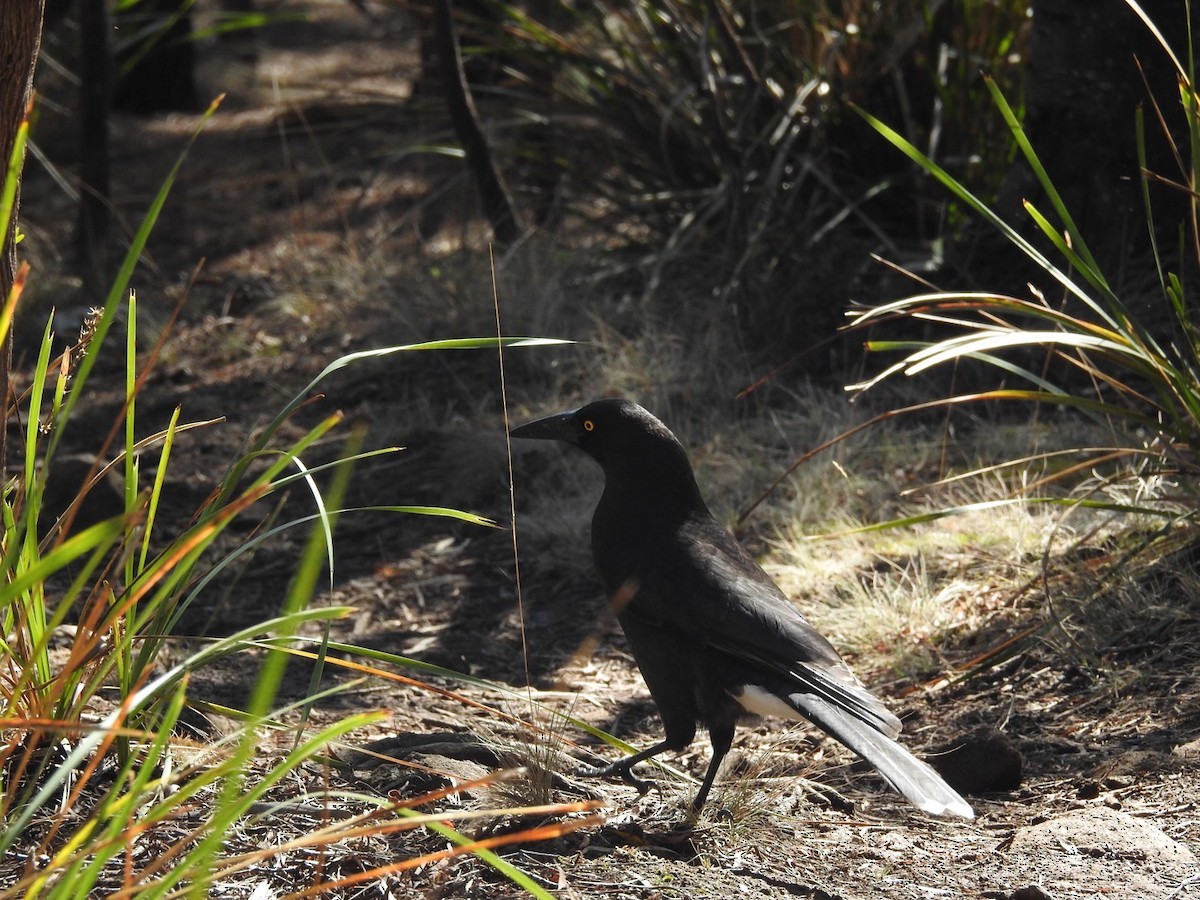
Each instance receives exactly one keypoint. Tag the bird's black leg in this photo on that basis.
(624, 767)
(722, 739)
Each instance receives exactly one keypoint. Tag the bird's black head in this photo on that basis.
(629, 443)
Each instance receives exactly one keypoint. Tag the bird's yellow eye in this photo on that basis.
(589, 425)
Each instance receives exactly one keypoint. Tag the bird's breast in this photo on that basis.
(629, 538)
(618, 547)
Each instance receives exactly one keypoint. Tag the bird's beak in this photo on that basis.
(558, 427)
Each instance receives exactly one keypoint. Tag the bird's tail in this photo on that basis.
(915, 780)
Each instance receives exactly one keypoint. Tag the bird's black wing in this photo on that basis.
(706, 584)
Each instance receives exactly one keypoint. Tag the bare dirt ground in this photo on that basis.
(299, 187)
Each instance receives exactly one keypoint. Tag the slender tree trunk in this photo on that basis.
(493, 192)
(20, 38)
(95, 97)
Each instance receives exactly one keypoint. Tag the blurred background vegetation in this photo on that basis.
(707, 155)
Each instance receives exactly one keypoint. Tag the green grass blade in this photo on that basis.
(149, 693)
(58, 559)
(1162, 41)
(493, 859)
(986, 213)
(427, 668)
(12, 178)
(254, 542)
(238, 796)
(37, 391)
(1088, 265)
(156, 493)
(352, 358)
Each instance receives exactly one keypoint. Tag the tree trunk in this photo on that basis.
(20, 38)
(95, 94)
(493, 192)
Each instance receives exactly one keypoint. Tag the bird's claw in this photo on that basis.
(625, 772)
(641, 785)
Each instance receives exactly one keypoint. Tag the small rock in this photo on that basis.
(1103, 833)
(1031, 892)
(1190, 750)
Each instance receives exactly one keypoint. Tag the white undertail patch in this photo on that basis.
(758, 700)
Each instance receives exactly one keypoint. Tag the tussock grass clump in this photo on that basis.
(702, 140)
(1090, 353)
(889, 595)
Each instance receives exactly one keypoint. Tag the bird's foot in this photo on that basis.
(624, 771)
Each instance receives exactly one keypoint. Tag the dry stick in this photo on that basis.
(737, 50)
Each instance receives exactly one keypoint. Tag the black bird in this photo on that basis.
(713, 635)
